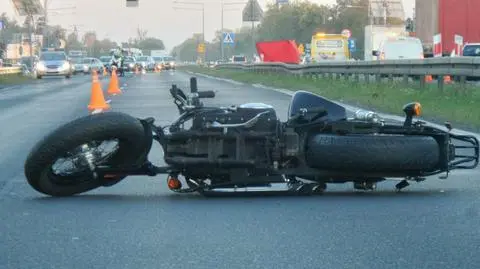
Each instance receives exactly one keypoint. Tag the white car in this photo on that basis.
(53, 63)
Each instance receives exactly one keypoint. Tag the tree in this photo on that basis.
(297, 21)
(151, 43)
(141, 35)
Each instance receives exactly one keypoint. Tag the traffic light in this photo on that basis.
(132, 3)
(409, 26)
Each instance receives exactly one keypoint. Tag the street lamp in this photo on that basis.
(202, 9)
(223, 5)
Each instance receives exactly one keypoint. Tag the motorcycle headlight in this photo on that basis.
(172, 63)
(130, 65)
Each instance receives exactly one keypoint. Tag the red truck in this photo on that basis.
(448, 18)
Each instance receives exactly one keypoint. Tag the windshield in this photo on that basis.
(168, 59)
(76, 60)
(53, 57)
(142, 58)
(105, 59)
(87, 60)
(129, 59)
(471, 50)
(157, 59)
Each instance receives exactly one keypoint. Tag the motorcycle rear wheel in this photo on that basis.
(133, 147)
(372, 153)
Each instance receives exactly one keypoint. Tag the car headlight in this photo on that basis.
(66, 65)
(130, 65)
(41, 66)
(172, 63)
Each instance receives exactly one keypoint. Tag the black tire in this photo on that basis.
(134, 146)
(39, 77)
(372, 153)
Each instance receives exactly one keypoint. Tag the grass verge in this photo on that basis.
(13, 79)
(459, 106)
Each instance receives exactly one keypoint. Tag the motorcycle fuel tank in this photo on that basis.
(306, 100)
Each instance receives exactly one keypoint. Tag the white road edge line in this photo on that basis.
(351, 108)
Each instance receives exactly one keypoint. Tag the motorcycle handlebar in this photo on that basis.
(206, 94)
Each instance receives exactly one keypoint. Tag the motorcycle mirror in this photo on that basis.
(411, 109)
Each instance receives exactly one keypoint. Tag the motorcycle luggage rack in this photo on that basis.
(463, 161)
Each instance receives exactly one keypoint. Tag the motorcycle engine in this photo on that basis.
(240, 114)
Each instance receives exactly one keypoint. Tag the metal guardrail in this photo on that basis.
(10, 70)
(459, 68)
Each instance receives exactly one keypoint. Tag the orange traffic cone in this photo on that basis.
(97, 100)
(113, 88)
(447, 79)
(428, 78)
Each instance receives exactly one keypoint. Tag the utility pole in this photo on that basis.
(202, 9)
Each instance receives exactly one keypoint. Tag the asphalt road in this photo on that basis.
(139, 223)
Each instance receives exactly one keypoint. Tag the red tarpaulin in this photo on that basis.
(283, 51)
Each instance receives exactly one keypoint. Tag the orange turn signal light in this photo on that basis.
(417, 109)
(173, 183)
(413, 109)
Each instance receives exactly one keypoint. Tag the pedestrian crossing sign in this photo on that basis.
(228, 38)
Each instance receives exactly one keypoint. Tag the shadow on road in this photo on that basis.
(332, 195)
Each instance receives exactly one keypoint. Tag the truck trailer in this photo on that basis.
(448, 18)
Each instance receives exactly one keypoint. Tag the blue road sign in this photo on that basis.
(351, 45)
(228, 38)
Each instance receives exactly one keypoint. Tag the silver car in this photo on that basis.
(90, 64)
(53, 63)
(77, 64)
(146, 63)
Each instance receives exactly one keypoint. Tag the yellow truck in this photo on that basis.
(329, 47)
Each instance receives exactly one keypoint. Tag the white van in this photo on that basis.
(399, 48)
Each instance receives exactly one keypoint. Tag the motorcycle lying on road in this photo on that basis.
(247, 148)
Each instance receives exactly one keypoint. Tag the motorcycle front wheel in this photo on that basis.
(62, 163)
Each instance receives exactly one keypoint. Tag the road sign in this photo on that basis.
(459, 40)
(252, 11)
(201, 48)
(228, 38)
(1, 25)
(307, 48)
(346, 33)
(352, 45)
(301, 49)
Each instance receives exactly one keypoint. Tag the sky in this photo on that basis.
(112, 19)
